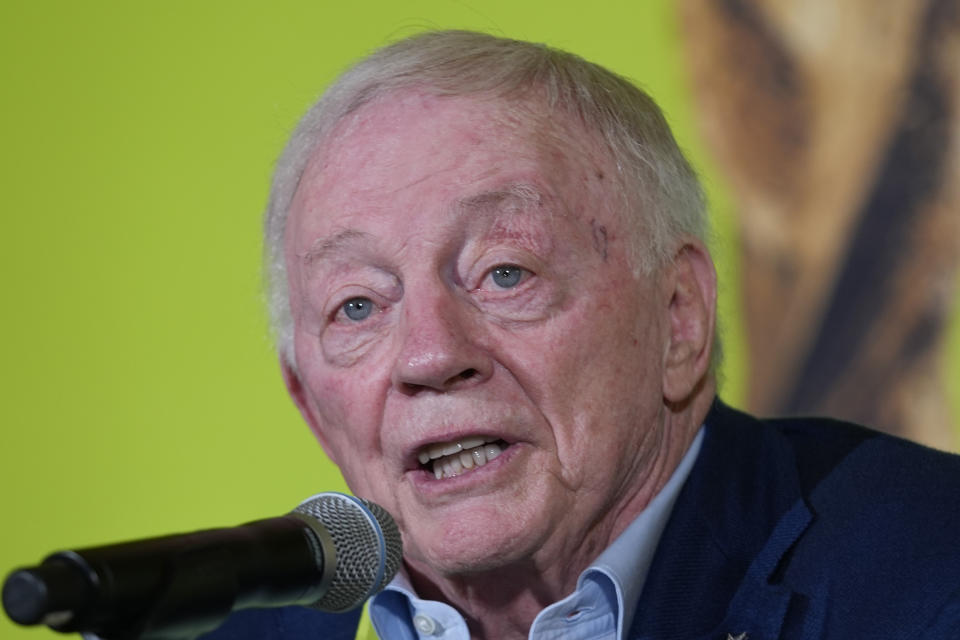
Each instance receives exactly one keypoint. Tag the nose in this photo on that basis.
(438, 344)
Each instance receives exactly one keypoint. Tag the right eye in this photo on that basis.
(357, 309)
(507, 276)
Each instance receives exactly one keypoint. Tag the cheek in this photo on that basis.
(613, 332)
(587, 353)
(347, 430)
(609, 353)
(346, 419)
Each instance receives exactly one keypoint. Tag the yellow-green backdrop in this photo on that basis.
(140, 391)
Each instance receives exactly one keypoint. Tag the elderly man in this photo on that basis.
(495, 309)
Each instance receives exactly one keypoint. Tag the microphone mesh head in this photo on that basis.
(368, 547)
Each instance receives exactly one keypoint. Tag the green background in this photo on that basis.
(141, 394)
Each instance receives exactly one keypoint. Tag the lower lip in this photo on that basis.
(426, 482)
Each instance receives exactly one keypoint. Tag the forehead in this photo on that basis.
(409, 152)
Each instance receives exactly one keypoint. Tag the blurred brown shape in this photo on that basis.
(837, 125)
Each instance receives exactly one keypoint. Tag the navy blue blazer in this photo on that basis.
(789, 528)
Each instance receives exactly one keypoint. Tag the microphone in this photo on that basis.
(332, 553)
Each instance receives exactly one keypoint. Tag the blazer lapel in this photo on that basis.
(740, 511)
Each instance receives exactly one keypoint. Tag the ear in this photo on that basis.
(691, 289)
(298, 393)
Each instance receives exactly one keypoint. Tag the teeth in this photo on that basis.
(451, 449)
(453, 464)
(479, 457)
(452, 459)
(470, 443)
(434, 451)
(439, 450)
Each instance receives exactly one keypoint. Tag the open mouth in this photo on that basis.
(455, 458)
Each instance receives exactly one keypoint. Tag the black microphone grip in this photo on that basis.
(331, 553)
(173, 586)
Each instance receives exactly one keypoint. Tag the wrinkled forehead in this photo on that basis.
(407, 116)
(459, 149)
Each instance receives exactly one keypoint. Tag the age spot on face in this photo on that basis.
(599, 238)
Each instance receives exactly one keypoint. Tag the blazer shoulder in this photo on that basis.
(839, 458)
(880, 550)
(286, 623)
(830, 450)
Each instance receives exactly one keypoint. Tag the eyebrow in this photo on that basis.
(512, 198)
(524, 193)
(336, 243)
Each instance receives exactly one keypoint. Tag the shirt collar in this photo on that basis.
(609, 588)
(626, 561)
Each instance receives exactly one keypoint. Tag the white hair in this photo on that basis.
(662, 195)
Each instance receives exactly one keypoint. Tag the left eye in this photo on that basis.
(357, 309)
(507, 276)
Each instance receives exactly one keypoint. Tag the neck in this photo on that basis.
(503, 602)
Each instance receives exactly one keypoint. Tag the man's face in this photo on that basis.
(459, 278)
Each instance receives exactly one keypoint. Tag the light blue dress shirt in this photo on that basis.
(601, 607)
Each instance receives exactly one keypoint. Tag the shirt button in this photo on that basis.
(425, 624)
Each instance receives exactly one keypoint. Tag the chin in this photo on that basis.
(464, 547)
(473, 561)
